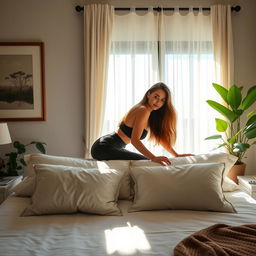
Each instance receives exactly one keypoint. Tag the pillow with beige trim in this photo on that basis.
(26, 187)
(180, 187)
(218, 157)
(63, 189)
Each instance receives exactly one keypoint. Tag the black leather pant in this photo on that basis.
(112, 147)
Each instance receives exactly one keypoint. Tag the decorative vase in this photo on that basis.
(236, 170)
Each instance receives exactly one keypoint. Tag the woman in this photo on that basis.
(156, 114)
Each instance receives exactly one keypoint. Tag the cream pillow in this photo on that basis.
(63, 189)
(218, 157)
(26, 187)
(180, 187)
(229, 185)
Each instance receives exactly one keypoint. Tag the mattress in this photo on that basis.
(137, 233)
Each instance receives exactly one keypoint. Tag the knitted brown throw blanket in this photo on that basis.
(219, 240)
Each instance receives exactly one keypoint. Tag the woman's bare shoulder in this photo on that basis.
(138, 111)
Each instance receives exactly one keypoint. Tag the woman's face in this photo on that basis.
(156, 99)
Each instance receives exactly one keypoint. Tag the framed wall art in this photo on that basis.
(22, 89)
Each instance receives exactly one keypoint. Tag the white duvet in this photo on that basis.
(138, 233)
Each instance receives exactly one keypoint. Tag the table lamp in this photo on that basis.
(5, 138)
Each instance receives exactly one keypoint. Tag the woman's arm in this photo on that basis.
(139, 124)
(170, 149)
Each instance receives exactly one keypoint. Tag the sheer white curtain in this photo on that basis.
(172, 47)
(133, 64)
(188, 68)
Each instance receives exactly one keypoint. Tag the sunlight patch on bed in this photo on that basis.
(126, 240)
(248, 198)
(104, 167)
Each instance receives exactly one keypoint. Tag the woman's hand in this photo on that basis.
(182, 155)
(163, 160)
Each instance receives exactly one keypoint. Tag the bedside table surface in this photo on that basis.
(244, 180)
(6, 185)
(245, 186)
(4, 181)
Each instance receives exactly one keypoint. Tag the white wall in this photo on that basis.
(244, 24)
(59, 26)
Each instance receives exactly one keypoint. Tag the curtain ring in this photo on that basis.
(133, 9)
(158, 9)
(150, 9)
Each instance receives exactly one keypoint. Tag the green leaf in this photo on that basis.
(40, 147)
(254, 143)
(221, 145)
(251, 120)
(234, 97)
(223, 110)
(21, 149)
(251, 89)
(12, 162)
(250, 98)
(249, 127)
(250, 131)
(223, 92)
(13, 155)
(23, 162)
(238, 112)
(16, 144)
(232, 140)
(221, 125)
(251, 113)
(213, 137)
(240, 147)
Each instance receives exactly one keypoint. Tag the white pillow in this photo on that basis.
(229, 185)
(26, 187)
(63, 189)
(218, 157)
(180, 187)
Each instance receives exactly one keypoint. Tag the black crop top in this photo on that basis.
(128, 131)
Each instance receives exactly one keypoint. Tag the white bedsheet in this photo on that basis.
(138, 233)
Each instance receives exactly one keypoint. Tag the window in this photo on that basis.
(139, 58)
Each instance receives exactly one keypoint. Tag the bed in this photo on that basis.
(154, 232)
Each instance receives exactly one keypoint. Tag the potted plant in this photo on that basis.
(14, 161)
(238, 136)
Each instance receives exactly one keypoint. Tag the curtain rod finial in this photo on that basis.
(79, 8)
(236, 8)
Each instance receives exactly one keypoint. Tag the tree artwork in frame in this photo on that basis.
(22, 96)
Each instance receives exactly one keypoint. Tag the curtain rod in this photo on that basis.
(236, 8)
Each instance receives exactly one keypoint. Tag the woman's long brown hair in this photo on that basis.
(162, 122)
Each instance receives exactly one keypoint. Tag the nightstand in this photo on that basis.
(248, 185)
(6, 184)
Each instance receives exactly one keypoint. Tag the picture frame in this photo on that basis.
(22, 81)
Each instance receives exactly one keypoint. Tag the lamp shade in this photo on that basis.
(5, 137)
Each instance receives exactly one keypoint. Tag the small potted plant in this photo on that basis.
(235, 136)
(14, 162)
